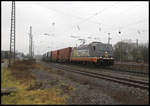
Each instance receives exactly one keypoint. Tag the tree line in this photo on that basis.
(131, 52)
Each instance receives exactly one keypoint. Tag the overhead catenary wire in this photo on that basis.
(122, 27)
(97, 22)
(134, 23)
(78, 17)
(97, 13)
(140, 21)
(130, 9)
(61, 12)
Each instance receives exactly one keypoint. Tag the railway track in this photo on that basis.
(129, 71)
(126, 81)
(112, 68)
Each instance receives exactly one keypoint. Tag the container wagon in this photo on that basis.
(47, 56)
(64, 54)
(55, 55)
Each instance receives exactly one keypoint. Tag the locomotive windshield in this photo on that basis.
(109, 48)
(100, 48)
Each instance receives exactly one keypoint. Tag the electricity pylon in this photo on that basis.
(12, 35)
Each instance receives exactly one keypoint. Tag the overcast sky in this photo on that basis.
(60, 24)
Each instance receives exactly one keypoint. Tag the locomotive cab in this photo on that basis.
(103, 51)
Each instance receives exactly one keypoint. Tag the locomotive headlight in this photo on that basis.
(106, 54)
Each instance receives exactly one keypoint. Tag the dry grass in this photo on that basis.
(21, 70)
(20, 76)
(49, 96)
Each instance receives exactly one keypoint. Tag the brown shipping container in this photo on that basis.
(64, 54)
(55, 55)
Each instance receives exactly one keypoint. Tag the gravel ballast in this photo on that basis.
(91, 90)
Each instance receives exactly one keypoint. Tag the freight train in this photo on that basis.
(96, 53)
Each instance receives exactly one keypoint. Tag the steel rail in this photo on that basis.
(135, 83)
(131, 71)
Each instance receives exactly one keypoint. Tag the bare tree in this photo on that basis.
(128, 51)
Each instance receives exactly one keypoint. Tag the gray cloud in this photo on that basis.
(63, 23)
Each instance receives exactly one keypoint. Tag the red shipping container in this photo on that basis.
(64, 54)
(55, 55)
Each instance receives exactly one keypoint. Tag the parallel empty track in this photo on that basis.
(126, 81)
(129, 71)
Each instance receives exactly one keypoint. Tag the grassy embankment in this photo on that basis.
(20, 77)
